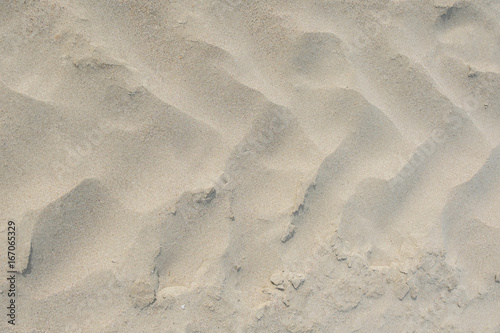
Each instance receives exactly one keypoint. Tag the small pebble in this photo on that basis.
(288, 233)
(277, 279)
(297, 281)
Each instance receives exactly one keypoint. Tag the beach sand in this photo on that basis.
(250, 166)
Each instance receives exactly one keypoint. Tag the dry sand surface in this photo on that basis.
(250, 166)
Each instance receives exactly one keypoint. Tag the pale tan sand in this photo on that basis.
(251, 166)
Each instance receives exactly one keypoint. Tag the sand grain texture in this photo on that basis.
(251, 166)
